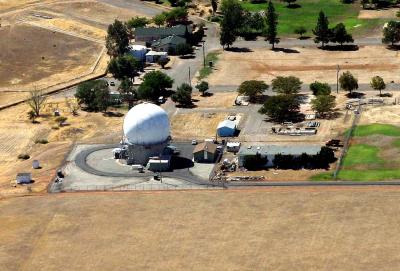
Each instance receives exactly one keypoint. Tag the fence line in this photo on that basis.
(346, 144)
(138, 187)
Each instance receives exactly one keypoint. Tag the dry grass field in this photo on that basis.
(26, 60)
(305, 63)
(217, 100)
(18, 135)
(195, 125)
(271, 229)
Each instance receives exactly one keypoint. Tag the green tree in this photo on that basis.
(231, 21)
(154, 85)
(214, 6)
(281, 107)
(348, 82)
(136, 22)
(319, 88)
(289, 2)
(127, 91)
(286, 85)
(93, 94)
(36, 101)
(159, 19)
(364, 3)
(124, 66)
(184, 49)
(202, 87)
(183, 95)
(162, 62)
(254, 162)
(377, 83)
(117, 40)
(391, 33)
(322, 32)
(324, 158)
(32, 116)
(252, 88)
(301, 30)
(102, 98)
(323, 104)
(176, 16)
(271, 31)
(340, 35)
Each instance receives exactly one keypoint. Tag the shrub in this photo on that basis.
(23, 156)
(41, 141)
(319, 88)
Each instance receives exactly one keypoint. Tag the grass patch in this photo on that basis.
(207, 70)
(369, 175)
(307, 15)
(396, 143)
(326, 176)
(377, 129)
(362, 154)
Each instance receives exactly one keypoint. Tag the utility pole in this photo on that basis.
(204, 55)
(337, 78)
(190, 81)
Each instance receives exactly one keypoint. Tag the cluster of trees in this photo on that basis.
(286, 104)
(324, 102)
(94, 95)
(324, 34)
(348, 82)
(238, 22)
(183, 95)
(321, 160)
(253, 89)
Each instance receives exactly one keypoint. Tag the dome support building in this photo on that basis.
(146, 133)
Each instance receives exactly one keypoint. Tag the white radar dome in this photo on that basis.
(146, 124)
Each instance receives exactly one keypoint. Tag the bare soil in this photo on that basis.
(378, 14)
(277, 229)
(28, 61)
(18, 135)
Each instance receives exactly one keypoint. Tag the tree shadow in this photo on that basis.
(260, 99)
(189, 106)
(285, 50)
(113, 114)
(345, 47)
(394, 47)
(387, 94)
(239, 49)
(187, 57)
(207, 94)
(355, 94)
(293, 6)
(304, 38)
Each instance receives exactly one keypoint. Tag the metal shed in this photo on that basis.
(226, 128)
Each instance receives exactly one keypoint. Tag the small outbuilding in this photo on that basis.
(24, 178)
(205, 152)
(226, 128)
(153, 56)
(233, 146)
(159, 164)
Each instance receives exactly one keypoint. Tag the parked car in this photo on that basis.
(194, 142)
(112, 84)
(161, 99)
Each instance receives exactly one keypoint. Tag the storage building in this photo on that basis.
(205, 152)
(24, 178)
(226, 128)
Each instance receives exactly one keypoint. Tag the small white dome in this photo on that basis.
(146, 124)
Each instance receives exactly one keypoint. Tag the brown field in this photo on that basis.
(27, 60)
(93, 11)
(217, 100)
(18, 135)
(264, 64)
(195, 125)
(270, 229)
(377, 14)
(12, 4)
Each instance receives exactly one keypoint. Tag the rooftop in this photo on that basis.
(280, 149)
(179, 30)
(227, 123)
(173, 39)
(206, 146)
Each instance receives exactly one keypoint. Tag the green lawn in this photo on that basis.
(362, 154)
(360, 175)
(207, 70)
(307, 15)
(377, 129)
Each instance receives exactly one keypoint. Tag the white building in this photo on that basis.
(153, 56)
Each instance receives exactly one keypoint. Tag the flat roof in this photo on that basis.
(280, 149)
